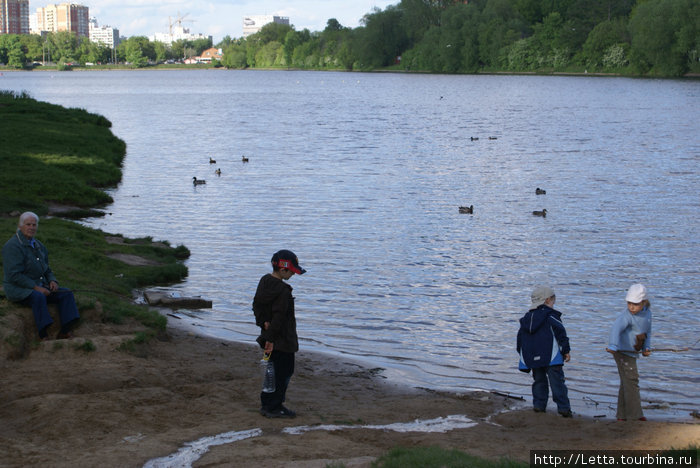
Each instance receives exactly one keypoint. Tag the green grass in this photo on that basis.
(435, 457)
(86, 346)
(49, 153)
(52, 154)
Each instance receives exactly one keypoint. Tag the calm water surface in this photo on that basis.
(361, 175)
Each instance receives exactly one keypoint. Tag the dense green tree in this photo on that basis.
(307, 55)
(234, 56)
(64, 46)
(500, 26)
(291, 42)
(382, 39)
(32, 46)
(417, 17)
(273, 32)
(177, 49)
(225, 42)
(665, 36)
(15, 57)
(604, 36)
(270, 55)
(4, 48)
(161, 51)
(137, 51)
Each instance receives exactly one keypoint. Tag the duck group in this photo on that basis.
(538, 191)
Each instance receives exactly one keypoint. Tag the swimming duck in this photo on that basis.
(217, 172)
(493, 138)
(196, 181)
(539, 191)
(542, 213)
(212, 161)
(473, 138)
(466, 209)
(244, 159)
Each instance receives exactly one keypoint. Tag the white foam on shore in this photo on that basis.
(445, 424)
(193, 451)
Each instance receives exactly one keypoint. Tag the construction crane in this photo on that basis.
(180, 18)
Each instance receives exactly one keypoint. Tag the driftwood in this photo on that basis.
(162, 299)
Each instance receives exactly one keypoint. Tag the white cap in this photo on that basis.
(636, 293)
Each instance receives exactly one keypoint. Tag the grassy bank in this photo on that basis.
(50, 154)
(55, 160)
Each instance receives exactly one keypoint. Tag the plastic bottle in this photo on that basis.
(269, 375)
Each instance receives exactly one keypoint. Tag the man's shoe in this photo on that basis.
(566, 414)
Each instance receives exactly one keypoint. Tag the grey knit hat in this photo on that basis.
(539, 295)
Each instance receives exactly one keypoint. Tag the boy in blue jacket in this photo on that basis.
(544, 347)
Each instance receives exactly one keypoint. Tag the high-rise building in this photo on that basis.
(104, 34)
(254, 23)
(14, 16)
(64, 17)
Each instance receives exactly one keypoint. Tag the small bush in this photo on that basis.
(86, 346)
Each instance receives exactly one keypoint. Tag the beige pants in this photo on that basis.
(629, 403)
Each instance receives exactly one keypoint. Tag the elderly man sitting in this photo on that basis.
(29, 280)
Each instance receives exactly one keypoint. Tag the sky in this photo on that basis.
(218, 18)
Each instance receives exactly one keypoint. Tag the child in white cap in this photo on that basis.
(631, 335)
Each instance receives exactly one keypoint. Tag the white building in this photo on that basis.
(103, 34)
(177, 33)
(254, 23)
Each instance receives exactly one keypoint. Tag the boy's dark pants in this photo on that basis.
(284, 368)
(545, 377)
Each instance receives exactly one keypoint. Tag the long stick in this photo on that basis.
(655, 350)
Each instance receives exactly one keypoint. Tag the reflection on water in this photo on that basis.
(361, 175)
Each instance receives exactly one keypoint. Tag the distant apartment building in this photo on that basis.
(103, 34)
(64, 17)
(14, 16)
(254, 23)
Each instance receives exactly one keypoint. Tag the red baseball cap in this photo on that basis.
(287, 259)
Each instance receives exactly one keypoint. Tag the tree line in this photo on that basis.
(632, 37)
(636, 37)
(19, 50)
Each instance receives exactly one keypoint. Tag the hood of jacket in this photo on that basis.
(534, 319)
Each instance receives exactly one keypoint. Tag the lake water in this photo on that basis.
(361, 175)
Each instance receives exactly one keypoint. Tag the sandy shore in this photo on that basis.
(65, 407)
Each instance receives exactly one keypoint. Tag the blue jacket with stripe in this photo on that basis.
(542, 339)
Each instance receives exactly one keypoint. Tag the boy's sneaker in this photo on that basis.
(566, 414)
(280, 412)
